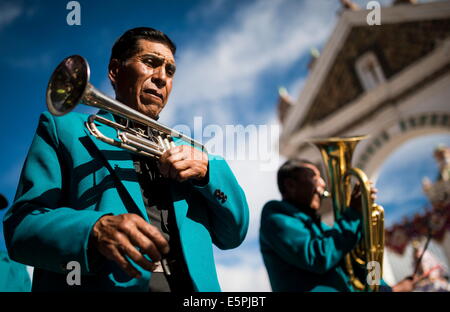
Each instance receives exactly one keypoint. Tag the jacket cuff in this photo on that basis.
(91, 257)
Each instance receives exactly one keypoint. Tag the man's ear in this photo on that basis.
(113, 71)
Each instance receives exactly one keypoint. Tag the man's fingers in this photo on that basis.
(140, 240)
(179, 166)
(186, 174)
(150, 232)
(127, 238)
(124, 264)
(177, 156)
(155, 236)
(184, 170)
(164, 162)
(169, 158)
(173, 158)
(176, 149)
(137, 257)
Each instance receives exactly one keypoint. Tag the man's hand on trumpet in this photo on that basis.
(184, 162)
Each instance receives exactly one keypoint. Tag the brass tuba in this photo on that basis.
(69, 86)
(337, 155)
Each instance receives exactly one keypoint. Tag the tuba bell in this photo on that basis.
(337, 156)
(69, 86)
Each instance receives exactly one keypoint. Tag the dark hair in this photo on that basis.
(288, 169)
(126, 46)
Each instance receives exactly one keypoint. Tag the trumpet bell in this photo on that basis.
(67, 85)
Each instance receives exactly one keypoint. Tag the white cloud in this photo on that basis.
(243, 278)
(262, 38)
(247, 273)
(202, 11)
(9, 12)
(258, 181)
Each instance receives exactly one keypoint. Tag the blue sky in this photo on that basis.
(232, 56)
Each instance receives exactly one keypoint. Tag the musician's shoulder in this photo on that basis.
(275, 212)
(70, 124)
(279, 207)
(72, 116)
(273, 205)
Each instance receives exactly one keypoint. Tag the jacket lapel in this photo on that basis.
(180, 206)
(120, 163)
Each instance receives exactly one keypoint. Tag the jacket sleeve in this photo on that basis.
(297, 244)
(40, 230)
(227, 205)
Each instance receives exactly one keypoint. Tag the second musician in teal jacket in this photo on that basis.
(301, 253)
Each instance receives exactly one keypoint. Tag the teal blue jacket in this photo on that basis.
(301, 255)
(13, 276)
(66, 186)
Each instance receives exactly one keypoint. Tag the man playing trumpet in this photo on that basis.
(131, 222)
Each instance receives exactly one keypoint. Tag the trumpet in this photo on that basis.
(69, 86)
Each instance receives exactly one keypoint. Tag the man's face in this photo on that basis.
(305, 187)
(144, 81)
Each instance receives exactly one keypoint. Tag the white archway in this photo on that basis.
(378, 148)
